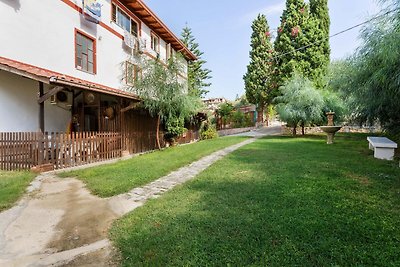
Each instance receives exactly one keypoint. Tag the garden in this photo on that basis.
(280, 201)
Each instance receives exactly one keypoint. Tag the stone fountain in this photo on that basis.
(330, 130)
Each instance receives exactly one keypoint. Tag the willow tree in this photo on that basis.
(371, 79)
(164, 95)
(258, 83)
(300, 103)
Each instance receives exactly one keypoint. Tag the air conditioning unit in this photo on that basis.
(60, 97)
(129, 40)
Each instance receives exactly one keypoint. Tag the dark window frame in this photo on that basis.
(132, 78)
(153, 37)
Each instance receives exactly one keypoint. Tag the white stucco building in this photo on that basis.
(58, 64)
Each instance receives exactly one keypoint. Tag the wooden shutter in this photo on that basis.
(114, 12)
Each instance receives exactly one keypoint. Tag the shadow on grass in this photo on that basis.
(280, 201)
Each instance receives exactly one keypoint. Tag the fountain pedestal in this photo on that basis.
(330, 130)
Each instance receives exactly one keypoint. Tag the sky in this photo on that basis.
(223, 29)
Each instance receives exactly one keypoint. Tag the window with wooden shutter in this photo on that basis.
(132, 73)
(114, 12)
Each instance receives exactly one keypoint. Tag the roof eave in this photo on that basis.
(141, 10)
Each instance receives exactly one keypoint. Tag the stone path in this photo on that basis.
(137, 197)
(59, 223)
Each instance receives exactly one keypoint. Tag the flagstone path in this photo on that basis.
(59, 223)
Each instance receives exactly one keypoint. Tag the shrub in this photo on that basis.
(210, 133)
(238, 119)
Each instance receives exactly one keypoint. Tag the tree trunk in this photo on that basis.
(267, 118)
(302, 129)
(158, 132)
(294, 130)
(260, 114)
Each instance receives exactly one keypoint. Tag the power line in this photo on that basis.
(336, 34)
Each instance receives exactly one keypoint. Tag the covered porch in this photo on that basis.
(100, 123)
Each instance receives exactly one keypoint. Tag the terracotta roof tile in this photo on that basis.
(54, 77)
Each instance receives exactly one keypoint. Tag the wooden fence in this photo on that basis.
(24, 150)
(188, 137)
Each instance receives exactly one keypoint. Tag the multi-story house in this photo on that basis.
(66, 65)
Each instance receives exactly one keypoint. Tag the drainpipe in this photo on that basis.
(41, 125)
(41, 108)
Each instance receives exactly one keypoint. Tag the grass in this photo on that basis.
(280, 201)
(12, 187)
(114, 179)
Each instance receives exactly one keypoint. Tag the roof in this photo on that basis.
(52, 77)
(143, 12)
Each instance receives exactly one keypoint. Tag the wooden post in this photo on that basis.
(41, 108)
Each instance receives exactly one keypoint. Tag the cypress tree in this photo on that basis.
(197, 73)
(319, 53)
(258, 79)
(292, 36)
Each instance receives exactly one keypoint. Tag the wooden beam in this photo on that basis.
(49, 94)
(131, 106)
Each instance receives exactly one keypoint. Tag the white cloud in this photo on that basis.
(276, 9)
(270, 10)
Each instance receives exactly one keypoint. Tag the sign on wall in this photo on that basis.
(92, 10)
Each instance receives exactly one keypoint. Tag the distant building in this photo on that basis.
(213, 104)
(249, 110)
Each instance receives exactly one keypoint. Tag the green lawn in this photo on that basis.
(280, 201)
(12, 187)
(114, 179)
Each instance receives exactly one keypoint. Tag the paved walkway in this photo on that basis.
(59, 223)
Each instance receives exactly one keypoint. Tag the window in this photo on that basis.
(132, 73)
(85, 52)
(155, 43)
(124, 20)
(170, 51)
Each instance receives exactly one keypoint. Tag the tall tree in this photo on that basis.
(258, 83)
(198, 75)
(163, 95)
(318, 33)
(291, 38)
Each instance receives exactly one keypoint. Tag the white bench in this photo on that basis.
(382, 146)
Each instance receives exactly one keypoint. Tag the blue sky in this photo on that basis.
(223, 28)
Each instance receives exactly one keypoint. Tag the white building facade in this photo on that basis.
(59, 45)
